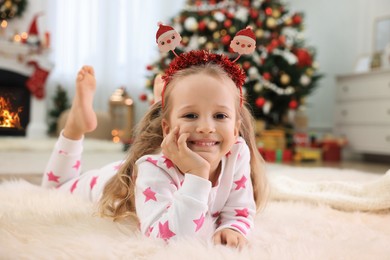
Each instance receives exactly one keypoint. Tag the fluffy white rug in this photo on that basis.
(46, 224)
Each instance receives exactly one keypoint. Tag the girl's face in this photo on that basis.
(205, 107)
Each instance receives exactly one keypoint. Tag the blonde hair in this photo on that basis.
(118, 200)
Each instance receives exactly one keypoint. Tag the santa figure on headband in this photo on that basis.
(244, 42)
(167, 38)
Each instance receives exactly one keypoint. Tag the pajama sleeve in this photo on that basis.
(240, 208)
(168, 206)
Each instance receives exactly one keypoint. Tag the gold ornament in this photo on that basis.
(309, 72)
(185, 40)
(216, 35)
(148, 82)
(271, 22)
(212, 25)
(232, 29)
(257, 87)
(223, 32)
(276, 13)
(288, 21)
(285, 79)
(209, 45)
(259, 33)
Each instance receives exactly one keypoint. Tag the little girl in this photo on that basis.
(193, 169)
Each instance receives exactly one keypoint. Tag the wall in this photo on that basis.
(341, 31)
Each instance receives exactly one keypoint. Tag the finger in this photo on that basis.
(169, 144)
(217, 239)
(231, 241)
(241, 242)
(182, 142)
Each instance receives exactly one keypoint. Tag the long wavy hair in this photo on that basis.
(118, 200)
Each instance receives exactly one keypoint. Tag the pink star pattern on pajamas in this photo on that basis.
(228, 154)
(199, 222)
(77, 165)
(164, 231)
(242, 212)
(149, 159)
(93, 182)
(52, 177)
(168, 162)
(74, 186)
(240, 183)
(216, 214)
(62, 152)
(149, 194)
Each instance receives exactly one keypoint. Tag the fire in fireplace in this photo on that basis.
(14, 104)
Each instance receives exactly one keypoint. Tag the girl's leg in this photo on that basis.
(65, 160)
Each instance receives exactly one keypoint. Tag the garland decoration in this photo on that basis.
(12, 8)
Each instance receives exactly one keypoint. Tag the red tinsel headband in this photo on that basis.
(168, 39)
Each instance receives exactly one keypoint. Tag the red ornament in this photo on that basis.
(293, 104)
(267, 75)
(227, 23)
(229, 15)
(260, 102)
(202, 25)
(254, 13)
(246, 65)
(297, 19)
(304, 57)
(226, 39)
(143, 97)
(268, 11)
(282, 39)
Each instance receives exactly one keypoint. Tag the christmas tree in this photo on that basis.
(61, 103)
(280, 73)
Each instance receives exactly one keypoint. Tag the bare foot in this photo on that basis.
(158, 87)
(82, 117)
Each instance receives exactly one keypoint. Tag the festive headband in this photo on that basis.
(167, 38)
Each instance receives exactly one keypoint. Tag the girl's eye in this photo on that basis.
(190, 116)
(220, 116)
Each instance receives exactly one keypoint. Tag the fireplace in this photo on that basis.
(14, 104)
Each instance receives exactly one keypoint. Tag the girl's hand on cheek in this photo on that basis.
(174, 147)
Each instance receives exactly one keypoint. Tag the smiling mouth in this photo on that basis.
(203, 143)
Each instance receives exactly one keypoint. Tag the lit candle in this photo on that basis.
(3, 26)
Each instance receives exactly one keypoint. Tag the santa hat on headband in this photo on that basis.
(162, 30)
(247, 33)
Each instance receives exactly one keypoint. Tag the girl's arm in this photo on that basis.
(169, 205)
(240, 208)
